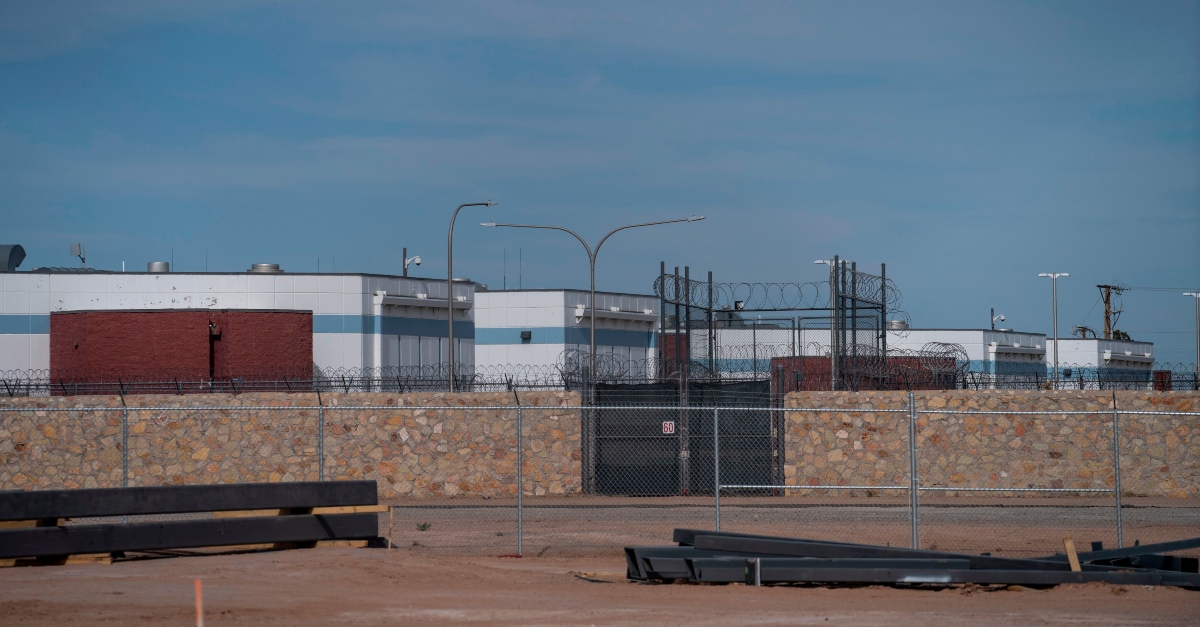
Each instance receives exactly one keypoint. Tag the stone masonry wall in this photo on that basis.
(1160, 454)
(455, 450)
(448, 451)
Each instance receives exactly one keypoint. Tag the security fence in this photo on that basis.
(539, 479)
(774, 366)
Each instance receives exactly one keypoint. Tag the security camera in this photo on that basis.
(418, 262)
(1001, 315)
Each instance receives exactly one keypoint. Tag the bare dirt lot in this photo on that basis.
(423, 587)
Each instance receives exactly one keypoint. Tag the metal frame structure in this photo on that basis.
(855, 312)
(716, 557)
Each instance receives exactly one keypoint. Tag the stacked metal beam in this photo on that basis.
(716, 557)
(43, 531)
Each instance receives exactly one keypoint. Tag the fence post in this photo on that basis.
(520, 488)
(1117, 473)
(124, 446)
(320, 440)
(717, 464)
(912, 470)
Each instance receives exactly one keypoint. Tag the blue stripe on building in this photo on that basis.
(387, 325)
(24, 324)
(565, 335)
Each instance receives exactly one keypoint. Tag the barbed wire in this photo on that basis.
(772, 296)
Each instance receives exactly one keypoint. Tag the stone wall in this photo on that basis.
(447, 451)
(1160, 454)
(460, 450)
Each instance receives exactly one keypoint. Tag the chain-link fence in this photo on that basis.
(539, 479)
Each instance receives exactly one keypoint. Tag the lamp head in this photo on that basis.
(491, 203)
(487, 224)
(695, 218)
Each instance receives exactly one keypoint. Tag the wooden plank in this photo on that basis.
(185, 534)
(25, 524)
(347, 509)
(67, 560)
(40, 504)
(1072, 557)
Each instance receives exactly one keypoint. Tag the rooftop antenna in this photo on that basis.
(78, 250)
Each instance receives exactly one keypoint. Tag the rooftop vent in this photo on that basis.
(11, 256)
(158, 267)
(265, 268)
(897, 325)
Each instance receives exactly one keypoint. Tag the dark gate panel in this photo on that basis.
(747, 442)
(633, 456)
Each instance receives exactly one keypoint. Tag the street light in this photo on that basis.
(450, 280)
(1196, 366)
(1053, 276)
(591, 253)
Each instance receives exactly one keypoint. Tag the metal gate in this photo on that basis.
(668, 451)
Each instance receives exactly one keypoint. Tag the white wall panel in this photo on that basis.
(15, 303)
(331, 303)
(307, 302)
(410, 350)
(327, 350)
(260, 301)
(307, 283)
(39, 351)
(260, 283)
(15, 352)
(390, 347)
(430, 351)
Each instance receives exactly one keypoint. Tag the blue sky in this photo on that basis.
(969, 146)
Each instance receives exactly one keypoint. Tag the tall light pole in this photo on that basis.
(591, 253)
(1053, 276)
(450, 281)
(1196, 366)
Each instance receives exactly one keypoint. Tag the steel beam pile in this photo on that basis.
(716, 557)
(300, 512)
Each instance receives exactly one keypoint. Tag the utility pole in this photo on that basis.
(1110, 316)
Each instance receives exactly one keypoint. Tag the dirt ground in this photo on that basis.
(425, 587)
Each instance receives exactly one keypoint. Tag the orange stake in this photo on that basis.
(199, 605)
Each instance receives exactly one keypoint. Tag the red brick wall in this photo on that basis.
(264, 341)
(105, 345)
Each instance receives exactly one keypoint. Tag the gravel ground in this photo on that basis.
(419, 587)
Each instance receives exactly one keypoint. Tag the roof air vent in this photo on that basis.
(158, 267)
(265, 268)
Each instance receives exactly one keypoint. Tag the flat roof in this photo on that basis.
(564, 289)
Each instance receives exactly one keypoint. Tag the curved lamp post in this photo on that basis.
(591, 253)
(1196, 366)
(450, 281)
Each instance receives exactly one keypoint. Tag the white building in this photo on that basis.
(536, 327)
(1095, 354)
(359, 320)
(989, 351)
